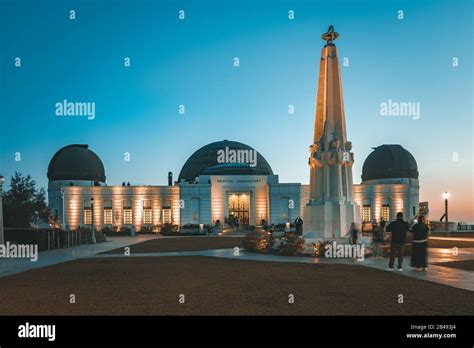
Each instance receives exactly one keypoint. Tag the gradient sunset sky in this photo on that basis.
(190, 62)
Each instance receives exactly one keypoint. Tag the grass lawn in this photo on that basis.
(182, 244)
(212, 286)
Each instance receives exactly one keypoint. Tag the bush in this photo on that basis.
(115, 231)
(109, 231)
(169, 229)
(100, 237)
(190, 226)
(319, 248)
(146, 229)
(291, 244)
(124, 231)
(257, 240)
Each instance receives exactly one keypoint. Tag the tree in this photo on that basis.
(24, 205)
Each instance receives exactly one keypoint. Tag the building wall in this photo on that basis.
(304, 199)
(224, 185)
(401, 195)
(195, 192)
(55, 201)
(285, 202)
(77, 198)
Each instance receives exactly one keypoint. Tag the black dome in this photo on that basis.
(389, 161)
(204, 161)
(76, 162)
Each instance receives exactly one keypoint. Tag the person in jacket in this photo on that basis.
(419, 251)
(399, 229)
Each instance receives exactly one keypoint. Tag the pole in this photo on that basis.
(92, 220)
(446, 215)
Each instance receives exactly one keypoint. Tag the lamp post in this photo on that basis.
(2, 235)
(92, 221)
(446, 220)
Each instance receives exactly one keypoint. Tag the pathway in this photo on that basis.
(52, 257)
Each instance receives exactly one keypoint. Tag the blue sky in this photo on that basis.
(190, 62)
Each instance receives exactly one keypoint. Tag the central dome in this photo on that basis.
(388, 162)
(204, 161)
(76, 162)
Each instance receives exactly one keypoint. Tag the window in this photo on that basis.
(167, 215)
(87, 216)
(108, 216)
(385, 213)
(366, 213)
(127, 216)
(147, 216)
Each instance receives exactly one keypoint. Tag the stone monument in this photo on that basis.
(331, 209)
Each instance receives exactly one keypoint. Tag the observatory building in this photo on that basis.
(227, 179)
(207, 191)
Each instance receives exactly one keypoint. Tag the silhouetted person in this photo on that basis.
(419, 251)
(399, 229)
(299, 225)
(377, 238)
(354, 233)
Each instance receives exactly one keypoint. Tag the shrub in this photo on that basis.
(125, 231)
(146, 229)
(291, 244)
(109, 231)
(100, 237)
(319, 248)
(168, 228)
(257, 240)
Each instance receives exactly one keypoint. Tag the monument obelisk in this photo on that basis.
(330, 210)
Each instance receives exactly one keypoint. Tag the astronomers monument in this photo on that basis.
(331, 208)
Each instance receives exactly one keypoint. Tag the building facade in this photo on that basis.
(389, 185)
(207, 192)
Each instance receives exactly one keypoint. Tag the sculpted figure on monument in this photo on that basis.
(336, 155)
(348, 154)
(316, 157)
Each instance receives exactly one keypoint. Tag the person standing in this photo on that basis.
(419, 251)
(399, 229)
(354, 233)
(376, 240)
(382, 225)
(299, 225)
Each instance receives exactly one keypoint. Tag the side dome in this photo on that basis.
(389, 161)
(76, 162)
(204, 161)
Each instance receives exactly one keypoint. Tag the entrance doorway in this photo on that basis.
(239, 207)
